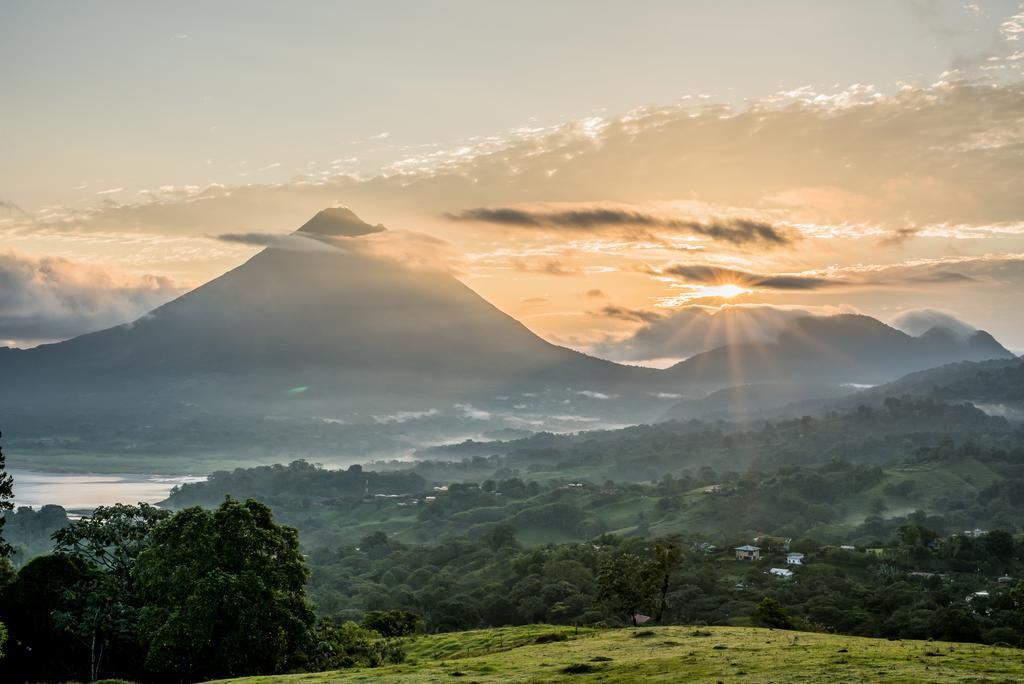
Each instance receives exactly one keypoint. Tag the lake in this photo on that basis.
(78, 491)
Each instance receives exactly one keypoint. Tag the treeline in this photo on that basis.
(916, 589)
(962, 484)
(996, 385)
(864, 434)
(315, 482)
(29, 531)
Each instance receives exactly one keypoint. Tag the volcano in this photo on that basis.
(322, 315)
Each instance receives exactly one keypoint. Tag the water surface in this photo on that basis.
(85, 491)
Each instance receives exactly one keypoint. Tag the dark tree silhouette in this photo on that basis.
(6, 502)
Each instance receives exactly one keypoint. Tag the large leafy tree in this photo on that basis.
(224, 594)
(104, 613)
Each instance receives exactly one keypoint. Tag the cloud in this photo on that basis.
(715, 275)
(737, 231)
(291, 242)
(471, 412)
(48, 299)
(988, 269)
(914, 273)
(551, 267)
(1013, 27)
(940, 276)
(411, 249)
(404, 416)
(841, 164)
(919, 321)
(626, 314)
(595, 294)
(591, 394)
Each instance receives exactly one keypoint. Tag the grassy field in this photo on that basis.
(675, 654)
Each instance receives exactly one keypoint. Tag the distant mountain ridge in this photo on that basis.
(995, 382)
(846, 348)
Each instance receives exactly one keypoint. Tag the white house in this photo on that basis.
(794, 558)
(781, 572)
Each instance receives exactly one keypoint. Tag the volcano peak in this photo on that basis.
(338, 222)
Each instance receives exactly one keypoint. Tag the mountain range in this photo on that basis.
(325, 325)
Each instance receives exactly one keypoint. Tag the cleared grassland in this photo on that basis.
(679, 654)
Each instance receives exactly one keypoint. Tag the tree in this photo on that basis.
(501, 536)
(392, 623)
(631, 583)
(105, 616)
(351, 645)
(224, 594)
(666, 558)
(40, 648)
(112, 537)
(621, 584)
(6, 503)
(999, 545)
(953, 623)
(771, 614)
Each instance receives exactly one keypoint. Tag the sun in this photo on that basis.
(726, 290)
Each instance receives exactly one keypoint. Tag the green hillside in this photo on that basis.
(706, 654)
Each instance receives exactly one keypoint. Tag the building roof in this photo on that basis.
(747, 547)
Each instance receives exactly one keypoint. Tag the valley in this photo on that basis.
(511, 342)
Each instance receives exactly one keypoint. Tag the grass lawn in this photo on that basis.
(676, 654)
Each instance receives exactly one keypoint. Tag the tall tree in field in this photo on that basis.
(630, 583)
(625, 585)
(666, 559)
(224, 594)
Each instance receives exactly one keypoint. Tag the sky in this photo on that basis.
(617, 176)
